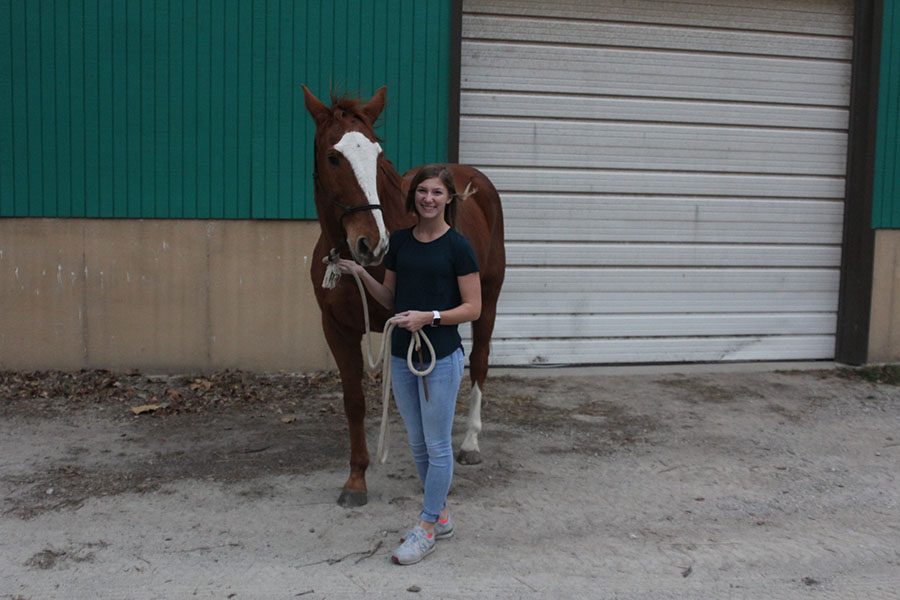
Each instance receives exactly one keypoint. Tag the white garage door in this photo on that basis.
(672, 174)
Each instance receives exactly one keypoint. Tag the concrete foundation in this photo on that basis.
(173, 296)
(884, 329)
(158, 295)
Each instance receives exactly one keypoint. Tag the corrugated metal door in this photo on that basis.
(672, 174)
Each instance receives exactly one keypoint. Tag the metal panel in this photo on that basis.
(534, 280)
(486, 103)
(886, 190)
(663, 301)
(625, 72)
(193, 110)
(611, 181)
(674, 255)
(593, 218)
(672, 174)
(602, 33)
(590, 326)
(580, 144)
(812, 17)
(688, 349)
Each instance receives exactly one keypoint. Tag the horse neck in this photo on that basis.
(329, 222)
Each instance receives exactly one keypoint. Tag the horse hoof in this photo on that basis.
(352, 499)
(468, 457)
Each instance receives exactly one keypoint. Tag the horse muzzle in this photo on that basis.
(366, 253)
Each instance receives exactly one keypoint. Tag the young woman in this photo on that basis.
(431, 282)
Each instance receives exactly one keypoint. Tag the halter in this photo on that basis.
(347, 210)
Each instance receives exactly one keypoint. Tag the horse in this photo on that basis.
(359, 198)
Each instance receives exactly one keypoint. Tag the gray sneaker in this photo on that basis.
(443, 529)
(417, 545)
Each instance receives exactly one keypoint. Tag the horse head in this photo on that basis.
(346, 160)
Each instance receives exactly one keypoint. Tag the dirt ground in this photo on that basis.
(725, 483)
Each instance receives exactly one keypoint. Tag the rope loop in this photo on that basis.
(415, 345)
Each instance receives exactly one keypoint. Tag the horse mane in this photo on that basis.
(344, 104)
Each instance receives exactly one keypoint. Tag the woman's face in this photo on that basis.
(431, 198)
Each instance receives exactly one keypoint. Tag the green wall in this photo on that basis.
(192, 109)
(886, 193)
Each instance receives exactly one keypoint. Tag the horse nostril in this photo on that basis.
(363, 247)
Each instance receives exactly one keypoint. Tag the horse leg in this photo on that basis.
(469, 452)
(345, 347)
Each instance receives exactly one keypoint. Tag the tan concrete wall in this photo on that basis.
(158, 295)
(884, 331)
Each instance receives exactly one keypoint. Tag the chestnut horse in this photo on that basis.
(359, 199)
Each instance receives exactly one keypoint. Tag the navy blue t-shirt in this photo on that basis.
(426, 280)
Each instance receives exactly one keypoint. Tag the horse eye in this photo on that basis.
(333, 160)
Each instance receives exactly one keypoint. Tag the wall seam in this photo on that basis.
(86, 357)
(209, 326)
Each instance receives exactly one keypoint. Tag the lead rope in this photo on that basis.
(332, 274)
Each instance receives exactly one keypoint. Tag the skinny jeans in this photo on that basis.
(429, 424)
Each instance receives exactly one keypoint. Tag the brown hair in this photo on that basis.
(443, 173)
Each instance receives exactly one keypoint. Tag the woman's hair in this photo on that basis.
(442, 173)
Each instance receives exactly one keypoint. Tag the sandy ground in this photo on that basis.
(725, 484)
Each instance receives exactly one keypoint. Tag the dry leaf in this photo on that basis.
(201, 383)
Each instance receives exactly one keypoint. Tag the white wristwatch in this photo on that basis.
(435, 318)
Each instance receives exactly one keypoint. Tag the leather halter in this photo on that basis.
(349, 210)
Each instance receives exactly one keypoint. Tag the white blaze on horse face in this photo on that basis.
(362, 154)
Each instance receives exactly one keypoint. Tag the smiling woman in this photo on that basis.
(433, 184)
(431, 279)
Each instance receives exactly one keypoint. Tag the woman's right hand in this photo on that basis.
(349, 266)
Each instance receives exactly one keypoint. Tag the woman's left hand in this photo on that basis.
(413, 320)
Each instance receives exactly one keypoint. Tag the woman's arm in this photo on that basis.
(468, 310)
(382, 292)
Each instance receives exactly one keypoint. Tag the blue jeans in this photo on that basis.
(429, 424)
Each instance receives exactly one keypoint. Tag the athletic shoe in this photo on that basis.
(443, 529)
(417, 545)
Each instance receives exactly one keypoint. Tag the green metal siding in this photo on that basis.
(886, 196)
(192, 109)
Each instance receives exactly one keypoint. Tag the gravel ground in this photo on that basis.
(718, 484)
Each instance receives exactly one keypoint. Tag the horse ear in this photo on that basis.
(319, 111)
(373, 107)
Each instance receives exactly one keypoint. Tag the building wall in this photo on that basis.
(142, 142)
(203, 294)
(884, 332)
(158, 295)
(884, 326)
